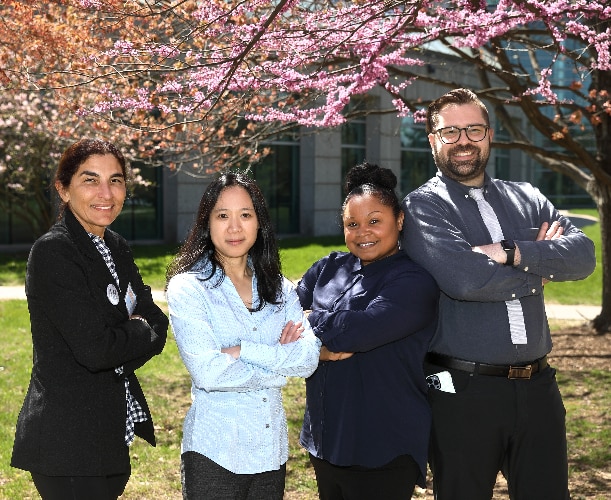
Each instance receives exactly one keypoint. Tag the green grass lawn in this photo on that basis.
(589, 290)
(297, 254)
(156, 471)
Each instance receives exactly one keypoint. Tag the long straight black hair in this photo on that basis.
(264, 253)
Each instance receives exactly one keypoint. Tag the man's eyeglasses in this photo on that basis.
(450, 135)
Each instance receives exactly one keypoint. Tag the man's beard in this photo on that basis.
(461, 171)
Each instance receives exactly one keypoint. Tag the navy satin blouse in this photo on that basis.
(372, 407)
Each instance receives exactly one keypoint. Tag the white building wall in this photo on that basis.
(320, 173)
(182, 204)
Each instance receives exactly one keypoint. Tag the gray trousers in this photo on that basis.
(203, 479)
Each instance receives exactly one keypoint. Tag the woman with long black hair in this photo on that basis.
(240, 331)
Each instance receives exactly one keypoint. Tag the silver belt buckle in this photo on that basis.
(520, 372)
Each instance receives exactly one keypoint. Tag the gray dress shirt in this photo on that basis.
(442, 224)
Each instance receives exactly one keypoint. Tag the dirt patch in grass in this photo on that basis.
(577, 348)
(582, 359)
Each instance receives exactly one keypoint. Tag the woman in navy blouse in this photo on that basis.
(367, 420)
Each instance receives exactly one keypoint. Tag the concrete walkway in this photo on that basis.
(554, 311)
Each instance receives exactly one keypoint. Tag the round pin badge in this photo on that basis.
(113, 294)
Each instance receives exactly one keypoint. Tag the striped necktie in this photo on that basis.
(514, 307)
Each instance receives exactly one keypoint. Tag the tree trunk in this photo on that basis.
(602, 323)
(600, 190)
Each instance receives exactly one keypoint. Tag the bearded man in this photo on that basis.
(491, 245)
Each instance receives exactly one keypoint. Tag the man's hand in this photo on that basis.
(494, 251)
(550, 232)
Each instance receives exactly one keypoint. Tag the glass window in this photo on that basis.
(15, 230)
(562, 191)
(140, 219)
(23, 223)
(353, 133)
(417, 164)
(5, 227)
(278, 177)
(502, 165)
(142, 214)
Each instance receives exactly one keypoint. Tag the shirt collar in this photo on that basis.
(203, 267)
(457, 187)
(377, 266)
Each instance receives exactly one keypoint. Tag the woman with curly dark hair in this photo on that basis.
(367, 419)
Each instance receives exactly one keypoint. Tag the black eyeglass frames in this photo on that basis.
(450, 135)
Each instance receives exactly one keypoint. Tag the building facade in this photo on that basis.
(302, 178)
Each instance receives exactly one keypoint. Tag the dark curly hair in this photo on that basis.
(367, 178)
(264, 253)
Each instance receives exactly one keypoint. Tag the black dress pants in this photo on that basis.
(494, 424)
(393, 481)
(80, 487)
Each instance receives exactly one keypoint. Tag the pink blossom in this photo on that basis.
(334, 51)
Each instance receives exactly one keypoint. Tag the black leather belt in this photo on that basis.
(522, 371)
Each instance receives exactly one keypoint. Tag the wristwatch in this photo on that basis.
(510, 249)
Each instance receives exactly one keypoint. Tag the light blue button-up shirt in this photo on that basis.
(236, 418)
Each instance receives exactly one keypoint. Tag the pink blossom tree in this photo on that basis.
(34, 130)
(28, 155)
(208, 82)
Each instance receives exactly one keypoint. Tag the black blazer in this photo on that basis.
(72, 422)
